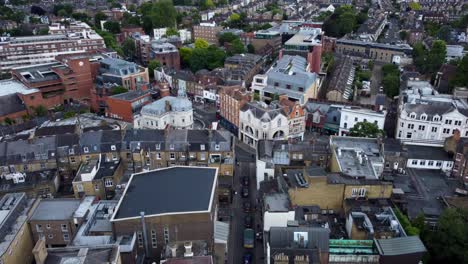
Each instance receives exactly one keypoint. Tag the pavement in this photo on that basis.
(245, 166)
(376, 80)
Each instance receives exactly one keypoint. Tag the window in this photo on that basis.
(96, 187)
(414, 162)
(64, 228)
(412, 116)
(202, 146)
(158, 155)
(113, 148)
(166, 235)
(358, 192)
(66, 237)
(409, 135)
(71, 151)
(423, 117)
(279, 122)
(422, 162)
(158, 146)
(448, 122)
(72, 159)
(458, 122)
(172, 156)
(410, 126)
(86, 149)
(430, 163)
(402, 124)
(50, 236)
(446, 130)
(48, 226)
(421, 127)
(171, 146)
(108, 182)
(356, 119)
(435, 119)
(439, 163)
(345, 125)
(276, 84)
(216, 146)
(288, 86)
(140, 239)
(202, 156)
(154, 242)
(434, 129)
(79, 187)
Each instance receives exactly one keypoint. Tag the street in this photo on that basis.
(245, 167)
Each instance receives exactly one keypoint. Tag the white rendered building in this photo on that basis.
(351, 115)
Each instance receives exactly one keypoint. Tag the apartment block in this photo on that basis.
(231, 100)
(207, 31)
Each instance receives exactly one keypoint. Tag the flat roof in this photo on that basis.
(55, 209)
(12, 87)
(168, 191)
(400, 246)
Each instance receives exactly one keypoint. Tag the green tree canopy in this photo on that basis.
(461, 75)
(112, 26)
(201, 44)
(365, 129)
(185, 55)
(40, 110)
(391, 80)
(152, 65)
(227, 37)
(129, 48)
(98, 17)
(119, 90)
(157, 15)
(172, 32)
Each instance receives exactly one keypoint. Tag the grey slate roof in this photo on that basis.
(400, 246)
(261, 112)
(427, 153)
(158, 107)
(11, 104)
(430, 109)
(170, 190)
(55, 209)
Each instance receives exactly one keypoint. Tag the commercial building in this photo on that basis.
(166, 206)
(308, 44)
(207, 31)
(59, 82)
(357, 157)
(34, 50)
(125, 105)
(426, 117)
(169, 111)
(243, 67)
(56, 220)
(351, 115)
(372, 50)
(259, 121)
(290, 76)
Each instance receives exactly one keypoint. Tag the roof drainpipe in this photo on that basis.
(145, 235)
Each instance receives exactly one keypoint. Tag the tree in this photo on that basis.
(250, 48)
(201, 44)
(444, 33)
(118, 90)
(185, 55)
(206, 4)
(227, 37)
(130, 20)
(157, 15)
(129, 48)
(447, 244)
(415, 6)
(403, 34)
(152, 65)
(9, 121)
(98, 17)
(461, 74)
(67, 9)
(256, 97)
(43, 31)
(436, 56)
(40, 110)
(365, 129)
(237, 47)
(112, 26)
(172, 32)
(391, 80)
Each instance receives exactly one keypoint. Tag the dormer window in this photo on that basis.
(423, 117)
(113, 148)
(158, 146)
(71, 151)
(436, 119)
(171, 146)
(202, 146)
(86, 149)
(413, 115)
(216, 146)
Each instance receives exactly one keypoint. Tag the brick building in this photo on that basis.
(168, 205)
(243, 67)
(124, 106)
(34, 50)
(207, 31)
(231, 100)
(166, 53)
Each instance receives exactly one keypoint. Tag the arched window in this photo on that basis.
(279, 122)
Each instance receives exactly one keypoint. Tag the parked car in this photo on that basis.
(245, 181)
(247, 258)
(248, 221)
(245, 192)
(247, 207)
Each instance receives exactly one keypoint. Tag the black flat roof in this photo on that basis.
(171, 190)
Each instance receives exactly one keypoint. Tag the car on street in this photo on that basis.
(247, 258)
(248, 221)
(245, 192)
(245, 181)
(249, 238)
(247, 207)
